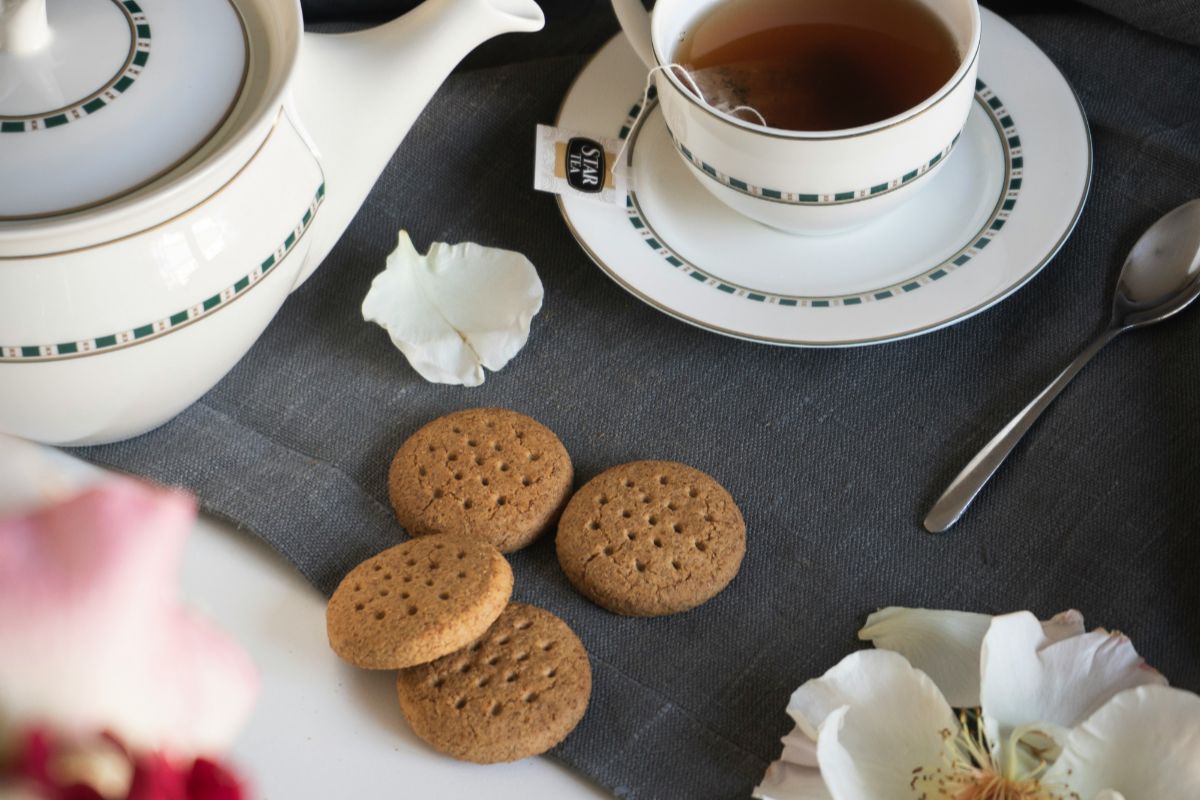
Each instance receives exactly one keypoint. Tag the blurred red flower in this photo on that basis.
(49, 768)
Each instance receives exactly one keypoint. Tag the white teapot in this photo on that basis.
(170, 170)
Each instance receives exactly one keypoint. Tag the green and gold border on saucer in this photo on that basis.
(1014, 165)
(174, 322)
(109, 92)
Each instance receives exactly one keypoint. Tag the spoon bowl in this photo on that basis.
(1162, 274)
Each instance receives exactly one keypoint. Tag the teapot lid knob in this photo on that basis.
(23, 27)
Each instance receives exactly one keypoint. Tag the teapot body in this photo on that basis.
(117, 316)
(108, 341)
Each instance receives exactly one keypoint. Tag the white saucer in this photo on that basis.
(998, 211)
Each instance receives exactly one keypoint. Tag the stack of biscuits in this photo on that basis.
(482, 678)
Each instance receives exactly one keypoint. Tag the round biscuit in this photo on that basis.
(490, 472)
(650, 538)
(514, 693)
(418, 601)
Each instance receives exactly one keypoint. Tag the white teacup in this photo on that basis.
(807, 182)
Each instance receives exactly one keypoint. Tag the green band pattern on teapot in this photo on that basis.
(169, 324)
(117, 85)
(1014, 171)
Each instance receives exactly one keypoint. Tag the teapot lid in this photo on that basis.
(101, 97)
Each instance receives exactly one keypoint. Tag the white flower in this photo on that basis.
(457, 310)
(1049, 712)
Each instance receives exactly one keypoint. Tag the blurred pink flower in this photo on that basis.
(93, 636)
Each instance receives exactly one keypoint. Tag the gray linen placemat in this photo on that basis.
(833, 455)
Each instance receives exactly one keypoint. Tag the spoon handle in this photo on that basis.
(963, 489)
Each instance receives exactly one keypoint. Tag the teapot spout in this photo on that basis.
(358, 94)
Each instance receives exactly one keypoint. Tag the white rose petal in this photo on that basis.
(457, 310)
(785, 780)
(877, 752)
(945, 645)
(942, 644)
(1144, 743)
(1063, 625)
(799, 748)
(1064, 714)
(874, 718)
(1029, 679)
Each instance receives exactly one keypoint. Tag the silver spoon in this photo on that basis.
(1159, 279)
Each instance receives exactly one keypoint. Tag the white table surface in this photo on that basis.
(321, 728)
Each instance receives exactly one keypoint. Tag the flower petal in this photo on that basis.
(457, 310)
(1063, 625)
(798, 748)
(1030, 748)
(882, 754)
(32, 476)
(93, 581)
(878, 719)
(1027, 678)
(787, 781)
(795, 775)
(1143, 743)
(942, 644)
(945, 645)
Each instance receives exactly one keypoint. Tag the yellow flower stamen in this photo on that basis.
(969, 772)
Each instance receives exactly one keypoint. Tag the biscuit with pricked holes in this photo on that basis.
(516, 692)
(490, 472)
(418, 601)
(650, 538)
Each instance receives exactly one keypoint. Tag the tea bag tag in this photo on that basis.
(577, 165)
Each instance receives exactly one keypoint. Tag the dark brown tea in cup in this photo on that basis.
(818, 65)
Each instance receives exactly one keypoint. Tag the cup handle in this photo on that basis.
(635, 21)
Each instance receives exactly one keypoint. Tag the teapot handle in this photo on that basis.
(635, 21)
(23, 27)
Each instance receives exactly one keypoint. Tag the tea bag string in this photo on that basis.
(687, 78)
